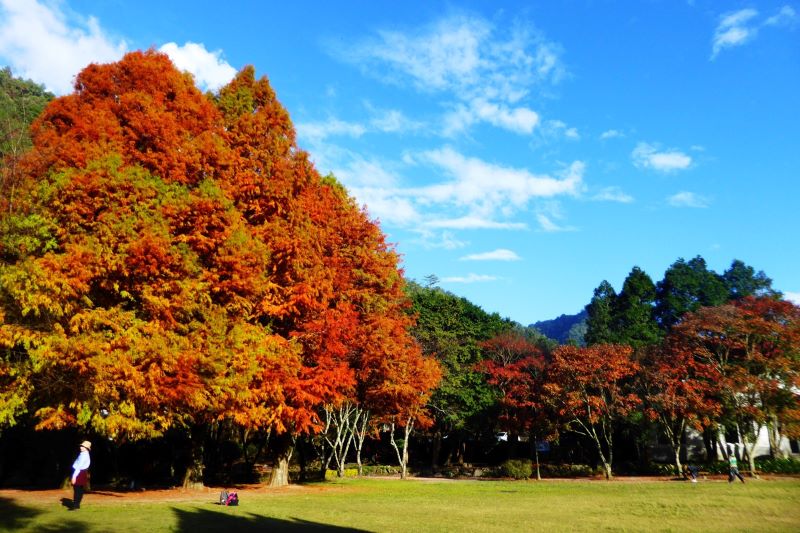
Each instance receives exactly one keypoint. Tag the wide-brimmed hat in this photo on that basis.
(86, 444)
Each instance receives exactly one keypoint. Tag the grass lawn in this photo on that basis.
(415, 505)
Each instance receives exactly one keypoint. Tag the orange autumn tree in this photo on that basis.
(589, 388)
(174, 263)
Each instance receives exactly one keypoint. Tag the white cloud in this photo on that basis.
(613, 194)
(319, 131)
(557, 129)
(484, 70)
(445, 239)
(516, 119)
(501, 254)
(786, 15)
(487, 186)
(740, 27)
(393, 121)
(549, 215)
(793, 297)
(387, 207)
(40, 42)
(472, 222)
(611, 134)
(469, 278)
(210, 71)
(651, 156)
(687, 199)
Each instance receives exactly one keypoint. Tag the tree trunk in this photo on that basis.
(361, 434)
(436, 450)
(710, 444)
(193, 477)
(284, 446)
(536, 457)
(402, 457)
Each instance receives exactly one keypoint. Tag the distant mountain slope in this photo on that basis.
(564, 329)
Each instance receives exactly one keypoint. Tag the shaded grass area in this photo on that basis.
(393, 505)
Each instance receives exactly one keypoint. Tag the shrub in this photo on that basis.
(565, 470)
(517, 468)
(777, 465)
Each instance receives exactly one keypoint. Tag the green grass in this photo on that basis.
(393, 505)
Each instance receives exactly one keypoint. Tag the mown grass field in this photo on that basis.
(414, 505)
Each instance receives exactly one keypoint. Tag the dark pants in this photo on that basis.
(734, 473)
(77, 496)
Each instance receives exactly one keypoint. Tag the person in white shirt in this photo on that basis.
(80, 474)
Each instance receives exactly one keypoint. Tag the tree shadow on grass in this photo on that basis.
(14, 517)
(206, 520)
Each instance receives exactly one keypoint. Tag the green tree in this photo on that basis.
(633, 321)
(21, 101)
(687, 286)
(742, 280)
(449, 328)
(600, 313)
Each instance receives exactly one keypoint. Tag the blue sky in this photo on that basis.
(520, 151)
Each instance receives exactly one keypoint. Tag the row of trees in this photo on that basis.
(173, 268)
(733, 366)
(171, 259)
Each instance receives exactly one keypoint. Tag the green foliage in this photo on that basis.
(450, 328)
(600, 315)
(565, 470)
(742, 280)
(351, 471)
(633, 317)
(689, 285)
(21, 101)
(777, 465)
(517, 468)
(566, 329)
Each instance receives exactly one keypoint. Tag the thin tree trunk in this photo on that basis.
(402, 457)
(361, 434)
(436, 450)
(536, 456)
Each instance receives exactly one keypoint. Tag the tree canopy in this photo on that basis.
(174, 258)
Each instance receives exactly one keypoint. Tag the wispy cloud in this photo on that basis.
(486, 186)
(40, 42)
(740, 27)
(393, 121)
(549, 216)
(473, 222)
(319, 131)
(687, 199)
(516, 119)
(786, 15)
(469, 278)
(652, 156)
(501, 254)
(611, 134)
(484, 72)
(613, 194)
(209, 69)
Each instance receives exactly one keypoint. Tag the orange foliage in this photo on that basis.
(177, 259)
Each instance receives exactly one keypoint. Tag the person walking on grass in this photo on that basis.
(80, 474)
(734, 467)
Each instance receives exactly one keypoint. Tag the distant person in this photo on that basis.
(734, 467)
(80, 474)
(693, 469)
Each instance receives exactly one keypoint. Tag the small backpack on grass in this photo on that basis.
(233, 499)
